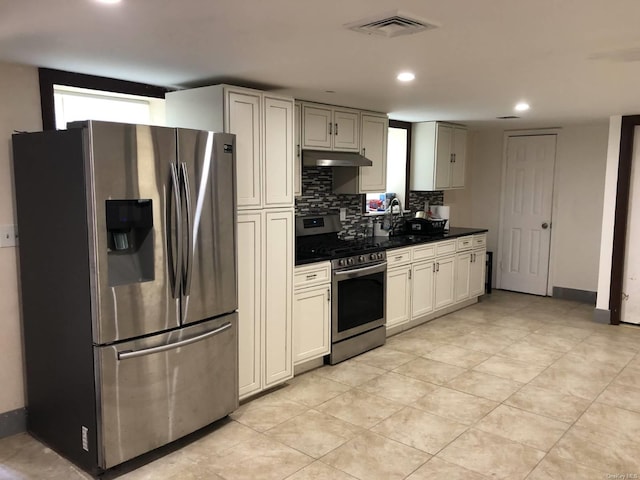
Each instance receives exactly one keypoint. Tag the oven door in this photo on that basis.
(358, 303)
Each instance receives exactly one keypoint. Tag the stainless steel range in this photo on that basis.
(359, 267)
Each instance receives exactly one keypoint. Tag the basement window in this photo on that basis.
(74, 103)
(68, 96)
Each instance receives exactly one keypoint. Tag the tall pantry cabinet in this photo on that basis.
(264, 128)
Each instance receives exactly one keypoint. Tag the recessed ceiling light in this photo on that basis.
(109, 2)
(406, 76)
(522, 106)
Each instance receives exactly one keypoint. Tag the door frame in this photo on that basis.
(503, 174)
(623, 188)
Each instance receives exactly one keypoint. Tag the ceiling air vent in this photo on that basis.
(391, 24)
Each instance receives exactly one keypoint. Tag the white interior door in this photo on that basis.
(630, 309)
(526, 214)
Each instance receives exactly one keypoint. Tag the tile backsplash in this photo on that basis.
(318, 198)
(417, 199)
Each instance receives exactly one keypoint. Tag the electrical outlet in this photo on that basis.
(343, 214)
(8, 235)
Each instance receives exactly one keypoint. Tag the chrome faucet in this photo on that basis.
(394, 201)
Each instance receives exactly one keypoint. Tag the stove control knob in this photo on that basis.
(380, 256)
(341, 262)
(350, 261)
(361, 258)
(372, 256)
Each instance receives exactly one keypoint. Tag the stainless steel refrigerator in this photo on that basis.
(128, 282)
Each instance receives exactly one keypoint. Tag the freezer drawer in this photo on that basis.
(157, 389)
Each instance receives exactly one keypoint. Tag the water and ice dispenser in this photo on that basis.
(130, 241)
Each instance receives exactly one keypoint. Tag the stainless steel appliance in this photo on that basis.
(128, 277)
(359, 266)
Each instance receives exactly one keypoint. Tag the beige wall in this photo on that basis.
(581, 160)
(19, 110)
(578, 198)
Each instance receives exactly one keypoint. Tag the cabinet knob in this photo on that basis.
(545, 225)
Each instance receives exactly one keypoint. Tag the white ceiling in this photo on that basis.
(572, 60)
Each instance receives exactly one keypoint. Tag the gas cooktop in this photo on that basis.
(330, 247)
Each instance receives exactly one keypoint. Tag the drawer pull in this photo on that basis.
(399, 257)
(312, 276)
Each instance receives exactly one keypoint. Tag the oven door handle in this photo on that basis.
(357, 272)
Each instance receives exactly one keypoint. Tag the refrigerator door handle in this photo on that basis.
(190, 246)
(178, 226)
(171, 346)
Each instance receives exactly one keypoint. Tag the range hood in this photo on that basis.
(321, 158)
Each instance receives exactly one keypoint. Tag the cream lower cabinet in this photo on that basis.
(463, 270)
(311, 312)
(398, 309)
(422, 289)
(444, 282)
(470, 267)
(477, 272)
(265, 303)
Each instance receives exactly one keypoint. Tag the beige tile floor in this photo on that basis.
(514, 387)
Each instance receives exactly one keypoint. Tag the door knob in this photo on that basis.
(545, 225)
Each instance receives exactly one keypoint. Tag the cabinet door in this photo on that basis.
(316, 125)
(422, 289)
(374, 147)
(463, 267)
(278, 152)
(459, 151)
(297, 159)
(477, 273)
(278, 290)
(398, 309)
(346, 130)
(242, 117)
(443, 157)
(445, 276)
(311, 323)
(249, 302)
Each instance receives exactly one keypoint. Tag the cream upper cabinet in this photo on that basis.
(325, 127)
(438, 156)
(346, 130)
(243, 117)
(459, 152)
(278, 159)
(297, 135)
(263, 125)
(374, 146)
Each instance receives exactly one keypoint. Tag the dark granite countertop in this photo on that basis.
(398, 241)
(410, 240)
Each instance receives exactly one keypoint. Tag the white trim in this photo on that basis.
(608, 212)
(503, 174)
